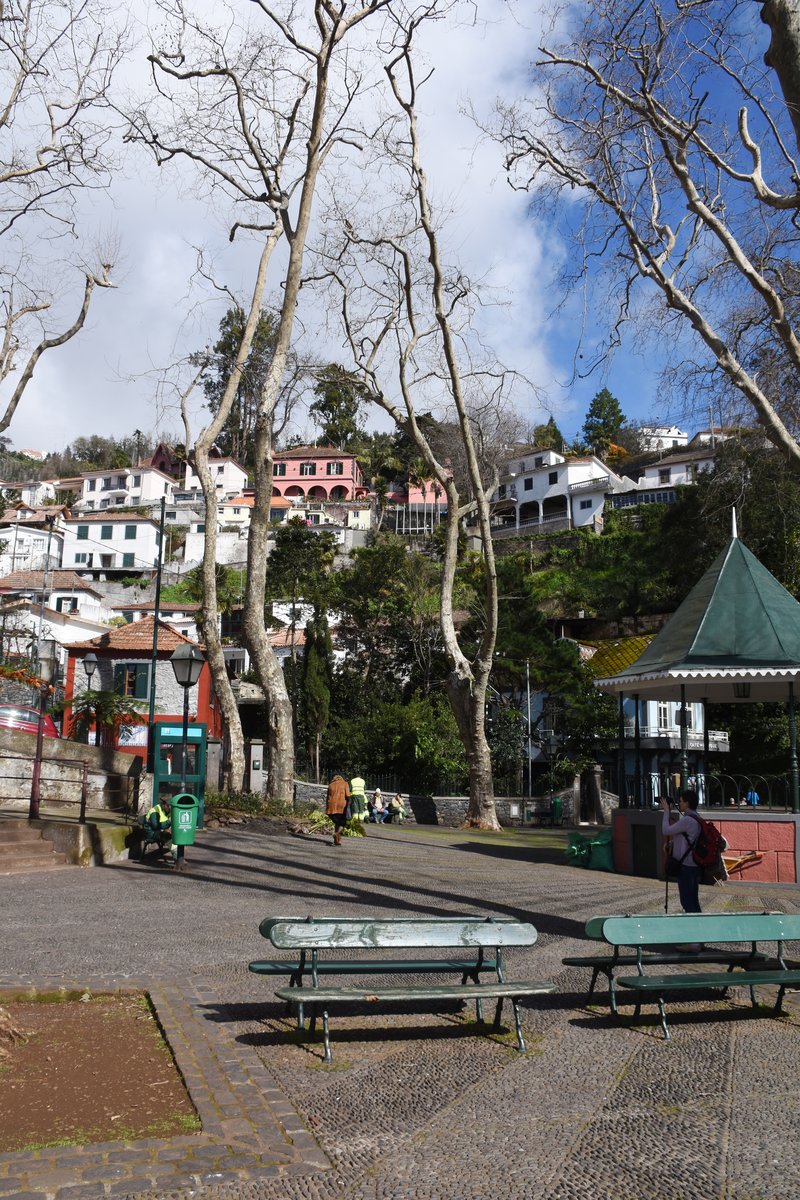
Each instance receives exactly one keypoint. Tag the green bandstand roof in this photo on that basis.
(737, 626)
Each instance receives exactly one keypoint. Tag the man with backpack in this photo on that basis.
(683, 835)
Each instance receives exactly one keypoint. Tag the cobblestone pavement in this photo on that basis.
(416, 1106)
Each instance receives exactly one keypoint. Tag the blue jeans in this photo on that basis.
(689, 887)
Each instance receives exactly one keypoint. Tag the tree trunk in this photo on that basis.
(210, 624)
(468, 702)
(783, 53)
(278, 734)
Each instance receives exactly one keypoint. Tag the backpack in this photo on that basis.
(708, 848)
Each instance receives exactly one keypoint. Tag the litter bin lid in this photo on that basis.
(184, 800)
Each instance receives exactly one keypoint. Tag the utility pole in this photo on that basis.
(154, 656)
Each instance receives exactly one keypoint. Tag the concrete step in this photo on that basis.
(23, 849)
(24, 865)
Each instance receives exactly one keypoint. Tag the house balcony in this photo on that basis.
(589, 485)
(653, 738)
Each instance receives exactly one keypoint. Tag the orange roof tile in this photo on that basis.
(136, 638)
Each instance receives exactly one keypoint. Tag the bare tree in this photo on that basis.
(56, 68)
(259, 110)
(407, 319)
(655, 132)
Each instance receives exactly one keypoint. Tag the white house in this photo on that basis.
(662, 437)
(24, 548)
(111, 542)
(230, 479)
(655, 482)
(542, 489)
(60, 591)
(125, 487)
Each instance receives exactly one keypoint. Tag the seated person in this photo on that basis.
(377, 808)
(397, 809)
(159, 821)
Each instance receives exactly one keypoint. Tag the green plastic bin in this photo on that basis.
(601, 851)
(184, 819)
(558, 810)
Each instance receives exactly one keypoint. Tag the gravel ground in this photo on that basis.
(417, 1106)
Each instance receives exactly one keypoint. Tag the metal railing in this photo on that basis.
(64, 782)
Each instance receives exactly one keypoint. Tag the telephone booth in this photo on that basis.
(167, 750)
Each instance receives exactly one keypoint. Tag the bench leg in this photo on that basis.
(753, 1000)
(327, 1057)
(663, 1014)
(779, 1002)
(520, 1039)
(498, 1012)
(479, 1011)
(595, 974)
(612, 995)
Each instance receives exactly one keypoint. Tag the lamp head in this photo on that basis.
(187, 663)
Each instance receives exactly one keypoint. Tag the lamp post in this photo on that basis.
(187, 663)
(89, 667)
(45, 667)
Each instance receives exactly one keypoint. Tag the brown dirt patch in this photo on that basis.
(90, 1070)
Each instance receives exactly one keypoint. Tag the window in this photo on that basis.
(106, 533)
(336, 468)
(552, 477)
(586, 504)
(132, 679)
(664, 715)
(308, 468)
(67, 603)
(81, 558)
(172, 516)
(664, 475)
(83, 533)
(137, 481)
(108, 560)
(279, 469)
(528, 485)
(689, 716)
(221, 470)
(106, 485)
(90, 485)
(128, 559)
(538, 462)
(201, 527)
(130, 533)
(120, 481)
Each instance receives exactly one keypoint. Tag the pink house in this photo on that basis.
(317, 473)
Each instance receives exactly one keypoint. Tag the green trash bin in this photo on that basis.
(184, 819)
(601, 851)
(558, 810)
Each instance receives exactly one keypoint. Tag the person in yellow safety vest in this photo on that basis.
(358, 799)
(159, 818)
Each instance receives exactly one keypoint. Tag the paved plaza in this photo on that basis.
(416, 1106)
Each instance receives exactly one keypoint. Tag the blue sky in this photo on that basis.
(104, 382)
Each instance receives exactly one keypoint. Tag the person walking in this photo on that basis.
(358, 798)
(336, 803)
(682, 835)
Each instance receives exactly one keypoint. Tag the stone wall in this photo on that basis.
(113, 778)
(452, 810)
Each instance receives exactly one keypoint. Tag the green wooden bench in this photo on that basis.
(473, 937)
(301, 965)
(721, 928)
(606, 964)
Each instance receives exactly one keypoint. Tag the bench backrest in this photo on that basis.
(594, 926)
(388, 934)
(266, 926)
(660, 930)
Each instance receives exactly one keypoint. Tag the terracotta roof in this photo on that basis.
(25, 512)
(313, 452)
(280, 638)
(136, 638)
(57, 581)
(241, 501)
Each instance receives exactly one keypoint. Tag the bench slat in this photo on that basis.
(266, 926)
(709, 979)
(385, 934)
(467, 991)
(375, 966)
(701, 927)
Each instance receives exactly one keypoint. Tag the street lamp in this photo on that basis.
(89, 667)
(187, 663)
